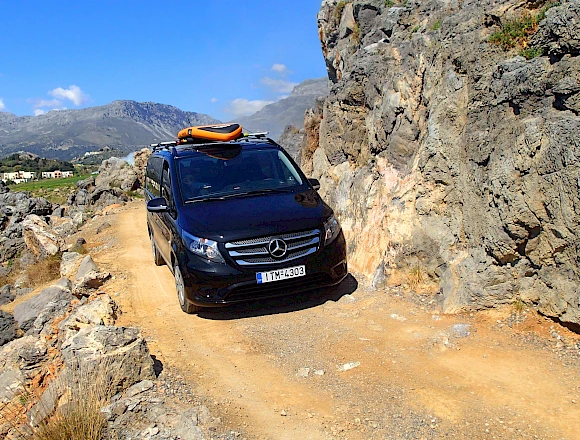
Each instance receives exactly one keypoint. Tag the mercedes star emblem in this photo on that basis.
(277, 247)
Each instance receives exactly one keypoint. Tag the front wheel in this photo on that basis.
(184, 303)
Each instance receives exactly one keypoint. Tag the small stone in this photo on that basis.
(349, 366)
(397, 317)
(283, 413)
(460, 330)
(319, 372)
(303, 372)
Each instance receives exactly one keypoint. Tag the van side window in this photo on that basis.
(166, 186)
(153, 174)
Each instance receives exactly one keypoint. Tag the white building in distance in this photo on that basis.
(56, 174)
(18, 176)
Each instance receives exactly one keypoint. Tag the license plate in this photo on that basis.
(280, 274)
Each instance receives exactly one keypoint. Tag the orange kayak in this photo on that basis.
(219, 132)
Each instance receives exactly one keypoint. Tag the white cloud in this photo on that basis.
(280, 68)
(39, 103)
(278, 85)
(244, 107)
(2, 106)
(73, 94)
(38, 112)
(214, 100)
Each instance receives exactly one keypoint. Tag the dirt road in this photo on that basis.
(350, 363)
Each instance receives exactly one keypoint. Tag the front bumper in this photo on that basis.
(211, 284)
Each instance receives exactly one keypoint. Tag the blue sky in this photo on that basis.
(219, 57)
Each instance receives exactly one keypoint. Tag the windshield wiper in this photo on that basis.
(241, 194)
(264, 191)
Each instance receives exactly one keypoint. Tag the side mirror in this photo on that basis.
(158, 204)
(315, 184)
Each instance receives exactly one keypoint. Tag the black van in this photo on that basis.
(238, 221)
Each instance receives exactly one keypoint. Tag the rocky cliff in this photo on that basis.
(288, 111)
(449, 146)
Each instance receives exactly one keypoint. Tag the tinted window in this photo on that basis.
(255, 169)
(153, 174)
(166, 186)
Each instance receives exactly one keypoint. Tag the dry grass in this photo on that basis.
(416, 276)
(79, 418)
(44, 271)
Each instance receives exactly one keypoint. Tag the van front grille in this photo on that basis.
(254, 251)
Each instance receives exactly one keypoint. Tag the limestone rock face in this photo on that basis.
(122, 349)
(446, 154)
(39, 237)
(140, 158)
(117, 173)
(44, 307)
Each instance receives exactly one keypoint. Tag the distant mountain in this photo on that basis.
(65, 134)
(288, 111)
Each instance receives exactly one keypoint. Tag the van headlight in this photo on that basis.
(331, 229)
(203, 247)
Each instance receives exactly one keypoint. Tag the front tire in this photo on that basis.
(184, 303)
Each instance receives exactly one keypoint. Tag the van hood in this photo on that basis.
(237, 218)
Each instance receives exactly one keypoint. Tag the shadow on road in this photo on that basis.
(285, 304)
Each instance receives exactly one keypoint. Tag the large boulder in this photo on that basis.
(102, 360)
(69, 264)
(117, 173)
(123, 350)
(52, 302)
(39, 237)
(101, 311)
(27, 355)
(89, 277)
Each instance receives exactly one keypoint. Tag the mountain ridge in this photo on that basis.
(274, 117)
(123, 124)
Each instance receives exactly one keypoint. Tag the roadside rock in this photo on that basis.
(69, 264)
(101, 311)
(103, 226)
(119, 351)
(26, 354)
(63, 226)
(40, 239)
(44, 307)
(87, 265)
(7, 328)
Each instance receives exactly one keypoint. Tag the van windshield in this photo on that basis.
(202, 176)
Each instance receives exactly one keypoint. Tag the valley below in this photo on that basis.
(350, 362)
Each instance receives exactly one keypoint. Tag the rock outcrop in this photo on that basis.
(447, 155)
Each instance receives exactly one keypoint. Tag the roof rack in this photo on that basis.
(196, 144)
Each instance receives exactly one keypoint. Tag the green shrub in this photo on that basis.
(339, 8)
(436, 25)
(531, 52)
(389, 3)
(356, 33)
(516, 31)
